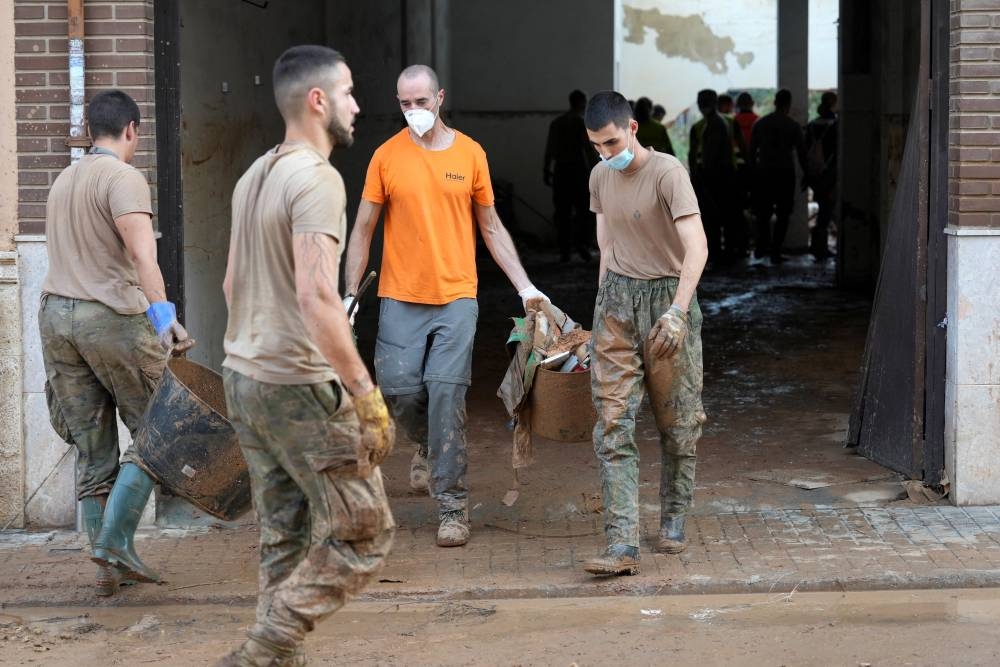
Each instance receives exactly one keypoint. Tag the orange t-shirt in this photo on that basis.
(429, 253)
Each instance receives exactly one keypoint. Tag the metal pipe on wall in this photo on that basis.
(78, 140)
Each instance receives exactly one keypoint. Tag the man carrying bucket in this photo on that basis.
(311, 424)
(647, 328)
(106, 328)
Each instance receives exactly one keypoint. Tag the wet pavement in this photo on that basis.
(958, 627)
(780, 504)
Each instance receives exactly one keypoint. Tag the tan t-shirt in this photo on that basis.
(639, 212)
(87, 256)
(289, 190)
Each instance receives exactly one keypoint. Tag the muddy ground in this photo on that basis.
(958, 627)
(782, 352)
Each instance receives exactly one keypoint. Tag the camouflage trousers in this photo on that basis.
(621, 372)
(97, 361)
(324, 532)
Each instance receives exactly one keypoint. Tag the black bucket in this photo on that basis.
(188, 445)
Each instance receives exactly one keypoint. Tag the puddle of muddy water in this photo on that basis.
(883, 628)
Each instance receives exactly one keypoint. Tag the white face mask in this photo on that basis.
(420, 120)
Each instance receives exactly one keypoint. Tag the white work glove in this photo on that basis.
(348, 302)
(531, 292)
(668, 333)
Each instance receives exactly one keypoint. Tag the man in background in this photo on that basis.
(568, 161)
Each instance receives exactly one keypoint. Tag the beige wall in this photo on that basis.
(8, 129)
(11, 440)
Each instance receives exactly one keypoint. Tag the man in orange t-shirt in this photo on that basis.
(434, 183)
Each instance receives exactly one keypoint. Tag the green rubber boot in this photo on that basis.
(121, 517)
(92, 512)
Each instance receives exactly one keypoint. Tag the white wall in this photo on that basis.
(513, 65)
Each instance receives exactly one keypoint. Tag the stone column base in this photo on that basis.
(972, 397)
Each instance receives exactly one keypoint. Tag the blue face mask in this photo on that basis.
(621, 160)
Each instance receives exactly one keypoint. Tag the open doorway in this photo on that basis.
(783, 346)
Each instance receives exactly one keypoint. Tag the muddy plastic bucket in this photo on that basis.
(188, 445)
(561, 406)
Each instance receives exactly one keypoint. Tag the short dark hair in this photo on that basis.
(828, 99)
(783, 99)
(659, 111)
(577, 99)
(607, 106)
(744, 101)
(707, 97)
(297, 70)
(110, 112)
(725, 99)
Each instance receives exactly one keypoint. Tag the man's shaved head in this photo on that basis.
(299, 69)
(415, 71)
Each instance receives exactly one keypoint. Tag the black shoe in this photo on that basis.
(671, 535)
(618, 559)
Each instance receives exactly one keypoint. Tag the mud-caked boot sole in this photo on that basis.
(665, 546)
(420, 474)
(671, 537)
(617, 560)
(107, 581)
(602, 567)
(453, 532)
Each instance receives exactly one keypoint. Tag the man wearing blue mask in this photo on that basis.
(434, 184)
(647, 328)
(106, 329)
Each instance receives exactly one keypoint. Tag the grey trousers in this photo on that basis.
(423, 363)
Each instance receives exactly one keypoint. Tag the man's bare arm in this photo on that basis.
(136, 230)
(359, 245)
(501, 246)
(604, 245)
(227, 282)
(692, 235)
(323, 311)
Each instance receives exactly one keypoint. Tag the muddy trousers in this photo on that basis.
(423, 363)
(97, 361)
(324, 532)
(622, 372)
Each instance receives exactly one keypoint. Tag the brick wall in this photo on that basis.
(118, 54)
(974, 136)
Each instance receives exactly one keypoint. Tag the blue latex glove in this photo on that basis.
(161, 315)
(173, 337)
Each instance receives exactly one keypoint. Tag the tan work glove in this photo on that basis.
(378, 433)
(177, 339)
(668, 333)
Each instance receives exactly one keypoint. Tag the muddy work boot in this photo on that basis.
(671, 535)
(454, 529)
(258, 651)
(114, 546)
(419, 471)
(618, 559)
(92, 512)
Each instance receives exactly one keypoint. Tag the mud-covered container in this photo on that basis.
(561, 406)
(188, 445)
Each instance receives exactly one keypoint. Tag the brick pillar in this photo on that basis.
(118, 54)
(972, 419)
